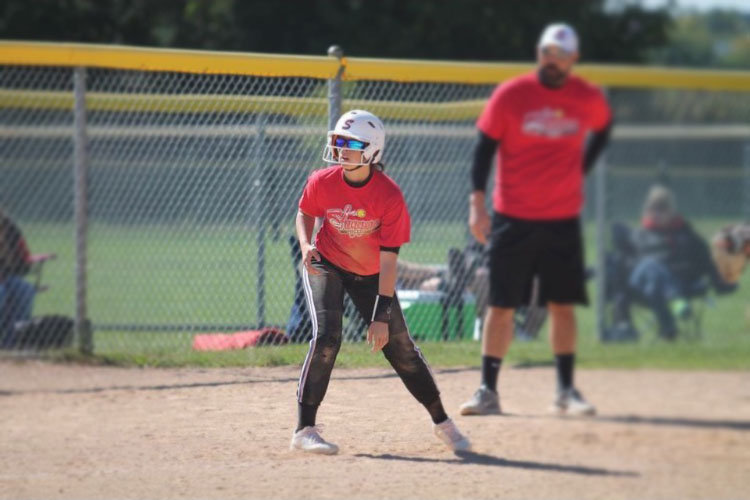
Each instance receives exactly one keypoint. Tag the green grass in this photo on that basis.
(187, 274)
(707, 354)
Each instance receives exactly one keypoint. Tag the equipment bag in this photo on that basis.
(52, 331)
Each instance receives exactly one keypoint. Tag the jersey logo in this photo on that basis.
(551, 123)
(350, 222)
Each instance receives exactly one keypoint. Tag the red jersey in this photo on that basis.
(542, 133)
(357, 221)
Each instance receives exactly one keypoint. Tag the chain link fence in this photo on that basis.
(182, 197)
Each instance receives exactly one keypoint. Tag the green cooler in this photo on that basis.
(423, 314)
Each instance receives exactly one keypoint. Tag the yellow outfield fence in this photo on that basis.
(279, 65)
(196, 103)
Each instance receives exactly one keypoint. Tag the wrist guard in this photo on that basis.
(381, 311)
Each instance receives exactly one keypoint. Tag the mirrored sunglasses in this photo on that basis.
(343, 142)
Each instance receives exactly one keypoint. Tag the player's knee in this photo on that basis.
(402, 353)
(330, 328)
(326, 353)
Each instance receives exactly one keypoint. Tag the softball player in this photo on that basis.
(540, 122)
(365, 222)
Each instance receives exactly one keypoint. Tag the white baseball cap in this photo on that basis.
(560, 35)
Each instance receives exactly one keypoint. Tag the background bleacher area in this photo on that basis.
(195, 163)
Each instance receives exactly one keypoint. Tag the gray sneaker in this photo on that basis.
(571, 402)
(484, 402)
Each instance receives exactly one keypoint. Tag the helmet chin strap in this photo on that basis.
(357, 167)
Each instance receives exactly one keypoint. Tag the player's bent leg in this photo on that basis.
(324, 294)
(318, 365)
(410, 365)
(408, 362)
(412, 368)
(400, 351)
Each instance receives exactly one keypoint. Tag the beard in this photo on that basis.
(552, 76)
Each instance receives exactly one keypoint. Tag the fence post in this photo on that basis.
(81, 171)
(261, 187)
(334, 87)
(601, 244)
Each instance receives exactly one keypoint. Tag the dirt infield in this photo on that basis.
(96, 432)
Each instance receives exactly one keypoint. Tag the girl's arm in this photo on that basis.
(388, 266)
(304, 224)
(377, 333)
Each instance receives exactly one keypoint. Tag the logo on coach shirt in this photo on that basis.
(351, 222)
(548, 122)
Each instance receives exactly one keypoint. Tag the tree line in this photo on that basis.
(481, 30)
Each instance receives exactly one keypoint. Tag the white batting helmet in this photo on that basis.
(361, 126)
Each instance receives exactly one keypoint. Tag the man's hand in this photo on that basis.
(377, 335)
(479, 220)
(308, 253)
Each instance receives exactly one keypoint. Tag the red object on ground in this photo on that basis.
(41, 257)
(238, 340)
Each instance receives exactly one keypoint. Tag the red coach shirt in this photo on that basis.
(541, 133)
(357, 221)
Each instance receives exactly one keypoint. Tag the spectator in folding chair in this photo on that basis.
(16, 294)
(671, 264)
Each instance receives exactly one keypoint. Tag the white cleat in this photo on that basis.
(571, 402)
(308, 439)
(450, 435)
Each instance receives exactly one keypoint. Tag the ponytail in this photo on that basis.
(379, 166)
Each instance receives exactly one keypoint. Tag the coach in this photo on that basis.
(541, 122)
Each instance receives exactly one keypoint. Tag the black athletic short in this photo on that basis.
(551, 250)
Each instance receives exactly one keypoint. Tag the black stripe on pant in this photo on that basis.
(325, 301)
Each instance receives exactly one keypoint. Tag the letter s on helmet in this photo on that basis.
(362, 126)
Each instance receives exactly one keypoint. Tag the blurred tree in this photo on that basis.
(137, 22)
(462, 30)
(738, 55)
(690, 44)
(718, 38)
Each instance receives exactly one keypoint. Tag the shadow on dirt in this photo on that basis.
(471, 458)
(198, 385)
(734, 425)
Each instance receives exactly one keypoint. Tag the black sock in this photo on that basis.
(564, 364)
(490, 369)
(306, 416)
(437, 412)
